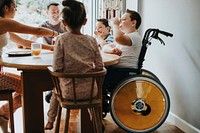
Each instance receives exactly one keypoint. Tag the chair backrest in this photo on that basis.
(6, 94)
(97, 77)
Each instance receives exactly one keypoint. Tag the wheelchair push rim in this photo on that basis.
(140, 104)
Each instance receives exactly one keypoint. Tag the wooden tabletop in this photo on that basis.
(45, 60)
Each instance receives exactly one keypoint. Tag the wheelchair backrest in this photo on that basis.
(146, 41)
(141, 57)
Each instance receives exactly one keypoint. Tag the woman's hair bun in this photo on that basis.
(67, 2)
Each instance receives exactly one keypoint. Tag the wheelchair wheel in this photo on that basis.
(149, 73)
(105, 105)
(140, 104)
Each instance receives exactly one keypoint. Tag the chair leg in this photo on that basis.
(98, 123)
(67, 120)
(93, 119)
(11, 114)
(58, 119)
(96, 120)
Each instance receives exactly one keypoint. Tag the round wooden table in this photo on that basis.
(45, 60)
(36, 80)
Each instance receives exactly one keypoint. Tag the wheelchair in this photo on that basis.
(139, 103)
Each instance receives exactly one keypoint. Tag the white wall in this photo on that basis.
(132, 4)
(177, 64)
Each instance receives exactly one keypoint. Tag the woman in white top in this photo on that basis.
(8, 27)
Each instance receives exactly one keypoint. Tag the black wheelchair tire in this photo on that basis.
(161, 115)
(149, 73)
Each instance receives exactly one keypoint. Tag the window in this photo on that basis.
(91, 10)
(111, 8)
(32, 12)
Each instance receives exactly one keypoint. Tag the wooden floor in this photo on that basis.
(111, 127)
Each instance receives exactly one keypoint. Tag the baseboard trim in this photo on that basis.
(183, 125)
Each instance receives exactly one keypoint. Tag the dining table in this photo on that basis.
(35, 79)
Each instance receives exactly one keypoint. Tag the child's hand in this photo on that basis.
(116, 51)
(116, 21)
(99, 35)
(96, 33)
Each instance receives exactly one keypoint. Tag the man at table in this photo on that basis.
(55, 24)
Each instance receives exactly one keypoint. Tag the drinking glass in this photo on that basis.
(36, 49)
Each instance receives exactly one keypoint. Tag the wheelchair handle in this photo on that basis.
(165, 33)
(154, 33)
(146, 41)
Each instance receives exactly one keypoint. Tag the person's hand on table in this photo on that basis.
(110, 48)
(51, 48)
(21, 46)
(116, 51)
(48, 47)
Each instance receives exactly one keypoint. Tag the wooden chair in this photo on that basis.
(93, 103)
(7, 95)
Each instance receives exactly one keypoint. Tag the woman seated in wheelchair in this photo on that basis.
(127, 44)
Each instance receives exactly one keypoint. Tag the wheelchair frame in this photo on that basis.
(139, 103)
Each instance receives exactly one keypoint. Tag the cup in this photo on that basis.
(36, 49)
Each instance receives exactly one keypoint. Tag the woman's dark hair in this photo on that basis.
(73, 13)
(104, 21)
(2, 4)
(135, 16)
